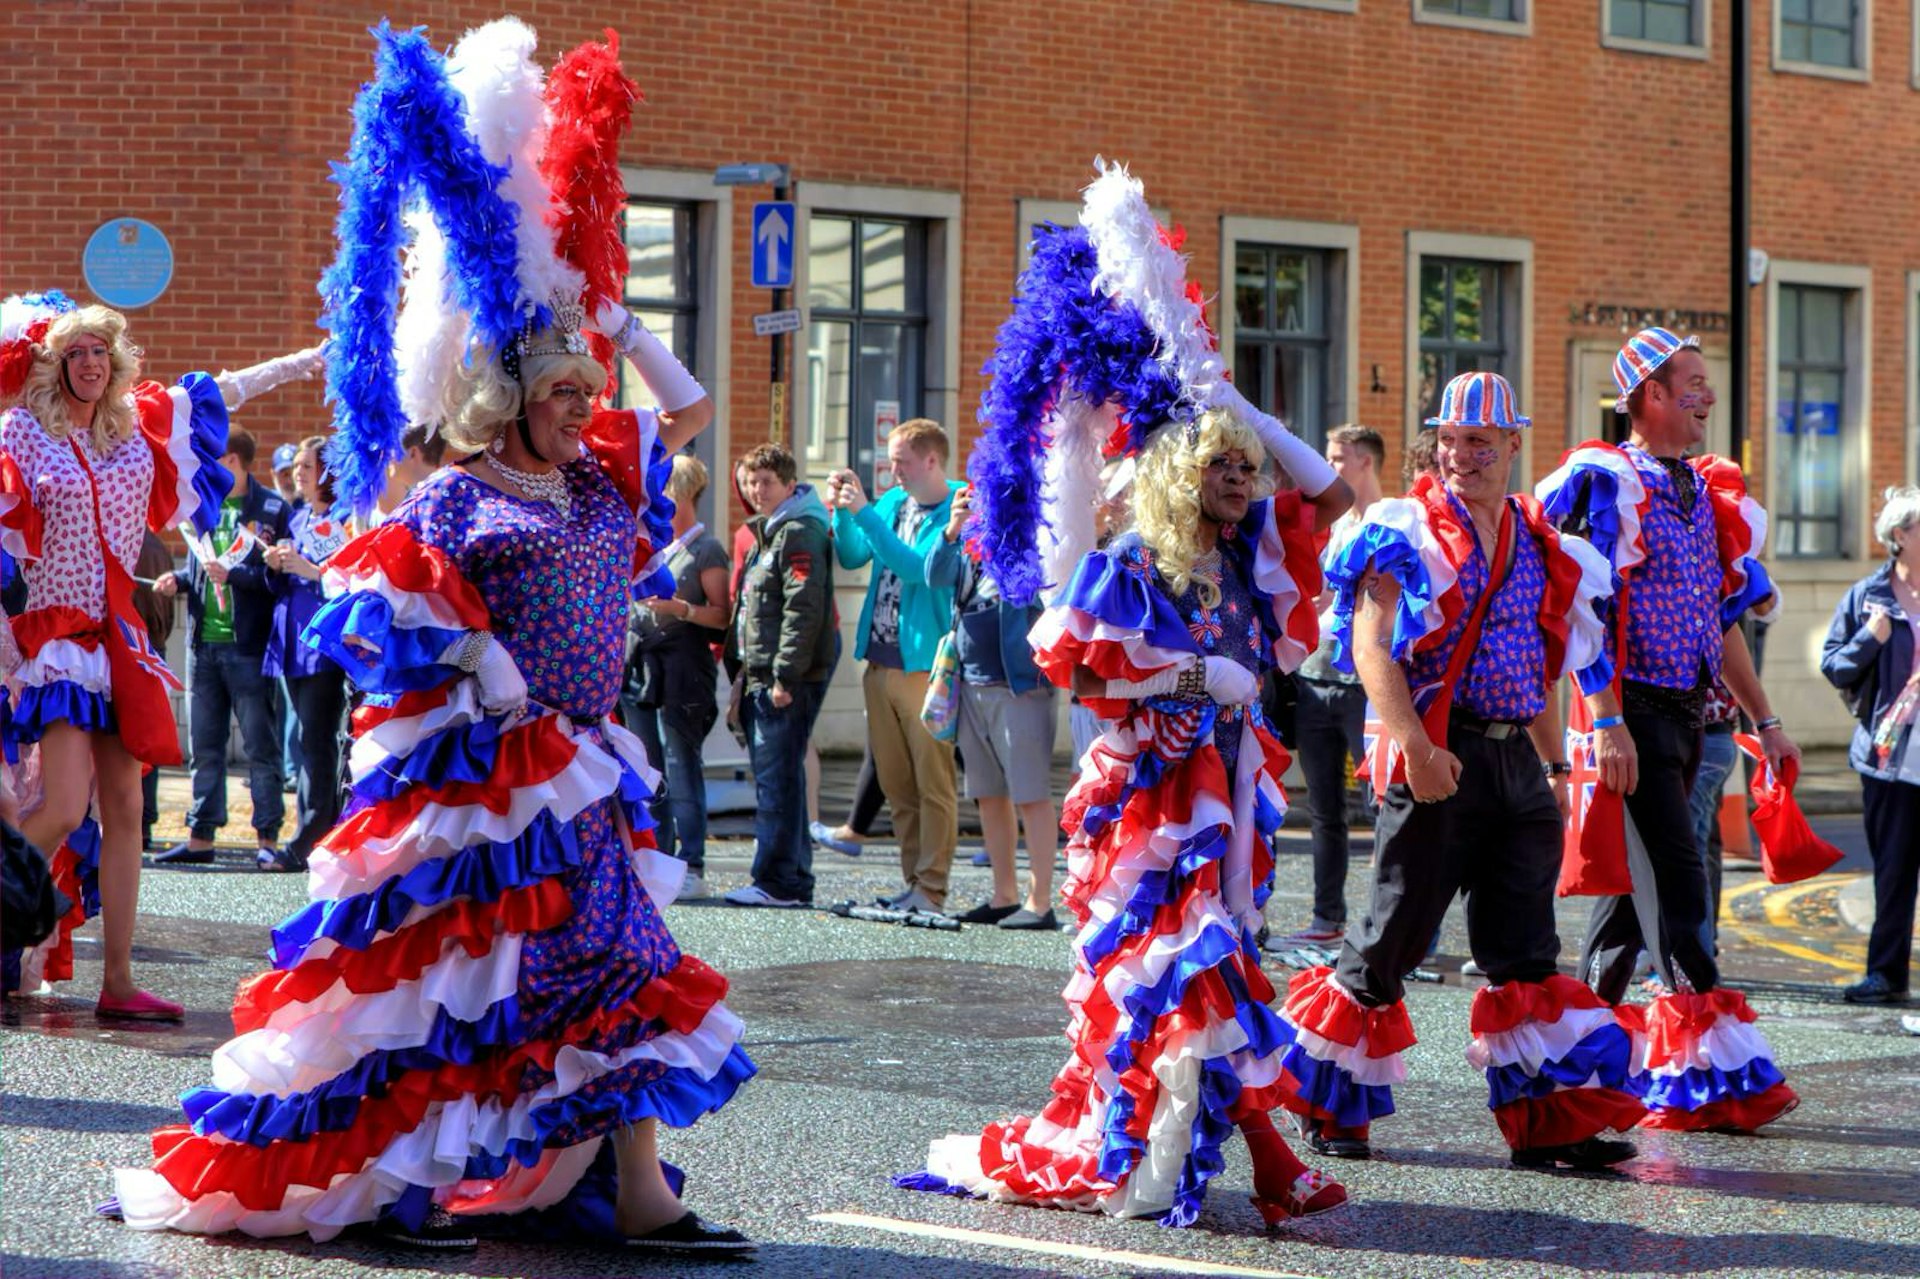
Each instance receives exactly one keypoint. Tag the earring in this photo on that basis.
(499, 444)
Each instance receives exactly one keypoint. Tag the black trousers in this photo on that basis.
(1893, 838)
(1672, 887)
(319, 707)
(1497, 839)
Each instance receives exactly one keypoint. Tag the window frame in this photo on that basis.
(712, 267)
(1520, 26)
(1326, 6)
(1517, 302)
(1862, 48)
(1856, 423)
(1339, 243)
(1700, 49)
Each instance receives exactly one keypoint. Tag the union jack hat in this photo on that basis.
(1644, 352)
(1478, 399)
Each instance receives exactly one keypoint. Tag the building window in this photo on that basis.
(1463, 323)
(866, 339)
(1810, 389)
(1489, 10)
(1282, 348)
(1822, 33)
(1655, 21)
(661, 286)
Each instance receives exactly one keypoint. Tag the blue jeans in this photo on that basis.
(680, 811)
(1329, 721)
(777, 746)
(1717, 754)
(222, 683)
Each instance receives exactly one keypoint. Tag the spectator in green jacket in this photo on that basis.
(900, 626)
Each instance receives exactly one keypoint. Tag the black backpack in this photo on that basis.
(30, 905)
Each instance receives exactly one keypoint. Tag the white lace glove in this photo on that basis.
(1140, 690)
(503, 690)
(239, 386)
(664, 375)
(1230, 683)
(1308, 469)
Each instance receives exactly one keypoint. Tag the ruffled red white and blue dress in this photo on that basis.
(482, 986)
(167, 473)
(1169, 863)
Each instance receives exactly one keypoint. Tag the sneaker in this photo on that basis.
(988, 913)
(1318, 933)
(441, 1230)
(267, 857)
(1590, 1155)
(693, 888)
(754, 895)
(1024, 920)
(1873, 989)
(1472, 968)
(185, 855)
(827, 837)
(981, 859)
(915, 901)
(894, 902)
(692, 1237)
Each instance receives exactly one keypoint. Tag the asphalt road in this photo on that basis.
(871, 1040)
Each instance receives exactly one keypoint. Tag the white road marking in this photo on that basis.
(1080, 1252)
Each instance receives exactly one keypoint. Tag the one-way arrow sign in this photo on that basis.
(773, 244)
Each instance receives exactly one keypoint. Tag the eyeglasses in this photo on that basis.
(95, 352)
(570, 395)
(1222, 466)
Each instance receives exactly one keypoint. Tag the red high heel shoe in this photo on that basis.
(140, 1006)
(1312, 1193)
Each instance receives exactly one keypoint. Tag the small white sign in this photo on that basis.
(773, 323)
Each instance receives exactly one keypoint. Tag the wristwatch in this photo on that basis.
(1556, 768)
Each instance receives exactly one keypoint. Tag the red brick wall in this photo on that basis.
(215, 119)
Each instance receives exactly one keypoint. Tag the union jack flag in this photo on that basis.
(144, 656)
(1381, 760)
(1582, 782)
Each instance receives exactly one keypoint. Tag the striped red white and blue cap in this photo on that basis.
(1478, 399)
(1644, 352)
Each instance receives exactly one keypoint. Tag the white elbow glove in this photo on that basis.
(241, 385)
(1308, 469)
(1230, 683)
(503, 690)
(1160, 685)
(664, 375)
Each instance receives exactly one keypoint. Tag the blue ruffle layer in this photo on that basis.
(207, 440)
(1392, 555)
(1327, 1087)
(462, 753)
(61, 702)
(1593, 491)
(408, 657)
(1605, 1052)
(1692, 1089)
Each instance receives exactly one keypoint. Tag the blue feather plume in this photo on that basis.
(1062, 336)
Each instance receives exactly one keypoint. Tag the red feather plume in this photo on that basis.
(589, 102)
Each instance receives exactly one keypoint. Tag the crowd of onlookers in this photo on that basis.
(762, 611)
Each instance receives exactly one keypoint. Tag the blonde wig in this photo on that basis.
(689, 478)
(1166, 494)
(44, 394)
(493, 401)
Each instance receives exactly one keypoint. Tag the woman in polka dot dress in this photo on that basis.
(482, 1011)
(90, 458)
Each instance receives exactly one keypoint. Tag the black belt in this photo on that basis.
(1496, 730)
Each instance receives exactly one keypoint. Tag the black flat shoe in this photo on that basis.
(1024, 920)
(692, 1237)
(441, 1231)
(987, 913)
(1590, 1155)
(182, 855)
(1873, 989)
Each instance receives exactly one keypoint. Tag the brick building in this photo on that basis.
(1380, 191)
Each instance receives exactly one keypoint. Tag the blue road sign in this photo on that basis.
(773, 244)
(127, 262)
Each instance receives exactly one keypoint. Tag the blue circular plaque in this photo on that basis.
(128, 263)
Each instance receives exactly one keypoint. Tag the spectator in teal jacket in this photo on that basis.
(901, 623)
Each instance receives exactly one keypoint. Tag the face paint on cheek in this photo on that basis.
(1690, 401)
(1482, 459)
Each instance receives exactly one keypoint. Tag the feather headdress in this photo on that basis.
(1107, 340)
(24, 318)
(450, 165)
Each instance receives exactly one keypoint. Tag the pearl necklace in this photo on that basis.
(542, 486)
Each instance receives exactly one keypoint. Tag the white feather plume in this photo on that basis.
(1072, 489)
(494, 71)
(430, 333)
(1136, 264)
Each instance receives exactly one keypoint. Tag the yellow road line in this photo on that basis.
(1079, 1252)
(1777, 904)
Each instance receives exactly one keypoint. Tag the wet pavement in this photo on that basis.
(872, 1040)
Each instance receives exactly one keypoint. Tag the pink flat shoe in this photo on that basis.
(140, 1006)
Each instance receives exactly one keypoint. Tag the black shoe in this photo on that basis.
(279, 859)
(441, 1231)
(1873, 989)
(1024, 920)
(1343, 1146)
(692, 1237)
(185, 855)
(987, 913)
(1590, 1155)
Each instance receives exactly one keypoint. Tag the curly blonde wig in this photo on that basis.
(492, 401)
(44, 394)
(1166, 494)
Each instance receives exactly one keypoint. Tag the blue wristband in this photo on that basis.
(1610, 721)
